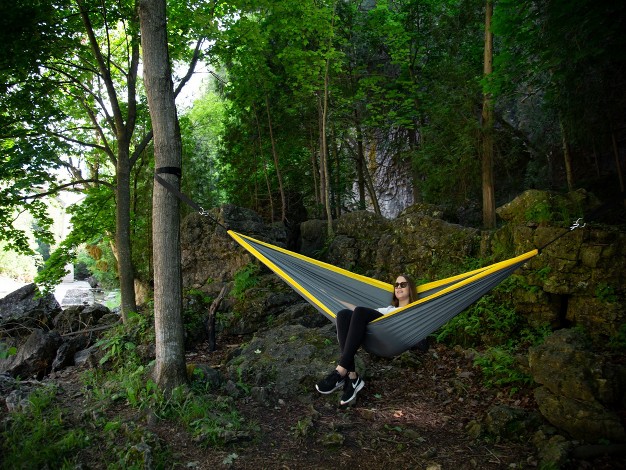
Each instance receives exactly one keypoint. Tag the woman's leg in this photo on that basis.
(343, 325)
(355, 335)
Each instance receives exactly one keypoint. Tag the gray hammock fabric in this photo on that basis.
(326, 286)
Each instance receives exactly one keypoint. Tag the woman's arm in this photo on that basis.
(346, 304)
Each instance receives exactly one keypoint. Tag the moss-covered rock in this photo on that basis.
(288, 360)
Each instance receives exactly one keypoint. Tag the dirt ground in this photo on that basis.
(408, 416)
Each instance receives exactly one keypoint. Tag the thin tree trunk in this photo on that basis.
(323, 144)
(315, 171)
(489, 202)
(122, 238)
(567, 157)
(170, 370)
(283, 201)
(267, 178)
(323, 103)
(123, 127)
(210, 322)
(360, 162)
(369, 183)
(618, 166)
(337, 180)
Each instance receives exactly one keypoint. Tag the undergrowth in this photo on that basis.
(39, 436)
(493, 327)
(42, 436)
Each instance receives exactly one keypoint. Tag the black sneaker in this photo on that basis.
(330, 383)
(350, 389)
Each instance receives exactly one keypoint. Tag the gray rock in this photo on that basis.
(27, 308)
(288, 360)
(34, 357)
(580, 387)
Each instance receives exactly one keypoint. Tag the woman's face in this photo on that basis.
(402, 289)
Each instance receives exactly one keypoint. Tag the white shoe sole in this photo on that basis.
(337, 387)
(358, 388)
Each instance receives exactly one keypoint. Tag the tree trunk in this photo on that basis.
(567, 157)
(324, 172)
(170, 371)
(360, 162)
(122, 236)
(314, 173)
(369, 183)
(618, 166)
(489, 201)
(267, 178)
(283, 200)
(210, 321)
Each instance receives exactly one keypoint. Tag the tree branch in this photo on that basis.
(61, 187)
(191, 69)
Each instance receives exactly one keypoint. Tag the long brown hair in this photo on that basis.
(412, 291)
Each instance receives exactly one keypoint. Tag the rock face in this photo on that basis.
(210, 257)
(53, 339)
(580, 389)
(291, 358)
(35, 357)
(27, 308)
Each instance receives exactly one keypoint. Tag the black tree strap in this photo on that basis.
(172, 170)
(573, 227)
(183, 197)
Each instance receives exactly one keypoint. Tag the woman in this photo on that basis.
(351, 325)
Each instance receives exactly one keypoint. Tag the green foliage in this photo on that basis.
(606, 293)
(39, 435)
(486, 321)
(92, 222)
(499, 368)
(618, 341)
(120, 343)
(244, 279)
(6, 352)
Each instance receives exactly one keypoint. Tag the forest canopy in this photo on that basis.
(310, 109)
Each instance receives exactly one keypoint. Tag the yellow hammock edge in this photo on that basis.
(466, 278)
(481, 273)
(240, 239)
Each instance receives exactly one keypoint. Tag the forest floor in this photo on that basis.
(412, 417)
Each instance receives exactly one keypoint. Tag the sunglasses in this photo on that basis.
(401, 285)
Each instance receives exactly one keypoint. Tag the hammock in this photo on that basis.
(325, 287)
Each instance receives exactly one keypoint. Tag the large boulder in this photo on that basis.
(27, 308)
(34, 357)
(544, 207)
(79, 317)
(210, 257)
(580, 389)
(288, 360)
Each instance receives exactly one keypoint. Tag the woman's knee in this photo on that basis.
(343, 314)
(360, 311)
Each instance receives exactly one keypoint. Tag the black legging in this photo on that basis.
(351, 332)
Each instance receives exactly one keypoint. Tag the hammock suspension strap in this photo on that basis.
(183, 197)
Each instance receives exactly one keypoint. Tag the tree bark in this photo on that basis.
(618, 166)
(126, 271)
(489, 201)
(360, 161)
(170, 371)
(279, 176)
(567, 157)
(210, 321)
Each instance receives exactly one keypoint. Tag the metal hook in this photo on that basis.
(576, 224)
